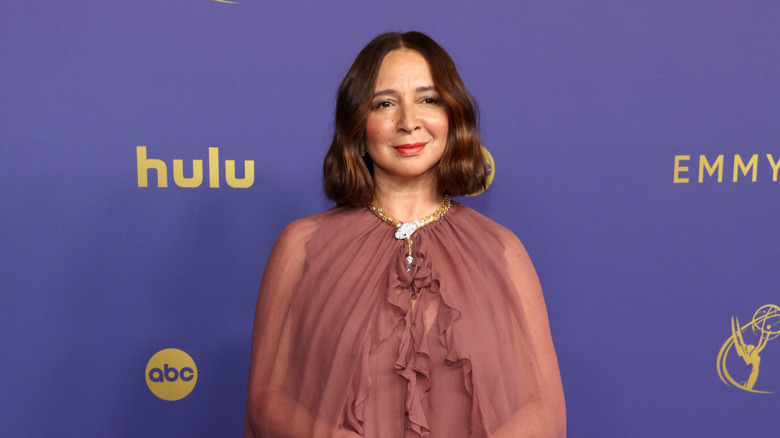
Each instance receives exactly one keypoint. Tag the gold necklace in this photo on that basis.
(404, 230)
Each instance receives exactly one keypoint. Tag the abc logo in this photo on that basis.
(171, 374)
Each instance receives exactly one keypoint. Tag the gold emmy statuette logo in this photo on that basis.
(749, 341)
(171, 374)
(491, 170)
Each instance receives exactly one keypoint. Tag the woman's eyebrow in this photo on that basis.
(385, 92)
(391, 91)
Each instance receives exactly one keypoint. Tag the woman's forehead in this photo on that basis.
(403, 68)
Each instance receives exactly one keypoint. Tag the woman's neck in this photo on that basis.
(407, 202)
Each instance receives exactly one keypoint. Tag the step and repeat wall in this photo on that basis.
(152, 151)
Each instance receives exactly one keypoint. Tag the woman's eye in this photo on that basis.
(431, 101)
(383, 104)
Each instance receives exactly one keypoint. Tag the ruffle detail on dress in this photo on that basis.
(389, 312)
(413, 362)
(361, 384)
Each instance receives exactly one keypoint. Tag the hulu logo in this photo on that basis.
(146, 164)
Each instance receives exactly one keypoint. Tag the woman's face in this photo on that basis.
(407, 125)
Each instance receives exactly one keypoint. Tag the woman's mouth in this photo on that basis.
(409, 148)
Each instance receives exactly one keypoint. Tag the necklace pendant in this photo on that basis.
(405, 230)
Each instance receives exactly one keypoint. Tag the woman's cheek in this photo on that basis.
(374, 129)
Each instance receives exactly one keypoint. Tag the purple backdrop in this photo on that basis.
(585, 106)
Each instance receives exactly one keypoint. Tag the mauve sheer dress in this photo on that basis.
(340, 351)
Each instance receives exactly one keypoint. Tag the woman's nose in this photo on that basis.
(408, 120)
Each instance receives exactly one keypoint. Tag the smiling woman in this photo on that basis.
(406, 129)
(349, 170)
(434, 326)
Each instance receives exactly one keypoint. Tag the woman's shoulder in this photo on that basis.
(298, 232)
(488, 225)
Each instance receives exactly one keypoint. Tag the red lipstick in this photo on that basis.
(409, 149)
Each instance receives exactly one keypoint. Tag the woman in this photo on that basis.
(401, 313)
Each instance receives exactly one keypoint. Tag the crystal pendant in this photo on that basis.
(405, 230)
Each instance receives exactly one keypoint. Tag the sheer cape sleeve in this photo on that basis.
(310, 326)
(270, 411)
(335, 294)
(543, 415)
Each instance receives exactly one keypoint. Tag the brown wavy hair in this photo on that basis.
(348, 176)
